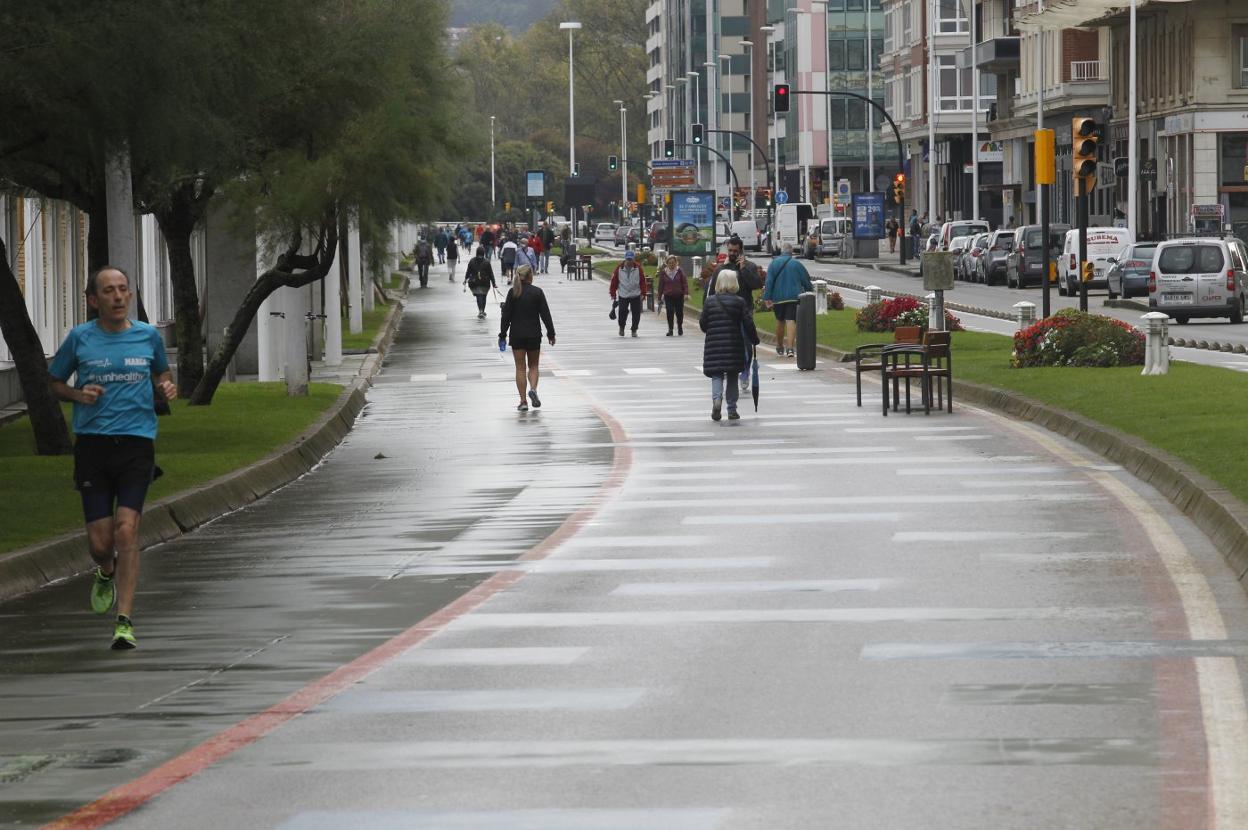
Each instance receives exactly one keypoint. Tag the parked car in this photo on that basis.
(1199, 277)
(1025, 264)
(657, 233)
(968, 263)
(961, 227)
(991, 264)
(625, 234)
(958, 246)
(1128, 271)
(604, 232)
(1102, 243)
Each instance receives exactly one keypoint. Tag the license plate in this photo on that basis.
(1177, 299)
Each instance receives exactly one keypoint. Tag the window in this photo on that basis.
(950, 18)
(838, 113)
(907, 92)
(856, 55)
(857, 118)
(836, 54)
(954, 85)
(907, 27)
(889, 21)
(854, 5)
(1241, 55)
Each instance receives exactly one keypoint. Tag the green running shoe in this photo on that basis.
(103, 593)
(123, 635)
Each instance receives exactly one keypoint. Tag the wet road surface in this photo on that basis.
(811, 617)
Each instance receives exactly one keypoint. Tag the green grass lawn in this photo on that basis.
(372, 324)
(245, 422)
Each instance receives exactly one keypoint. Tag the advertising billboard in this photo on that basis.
(535, 184)
(868, 215)
(693, 222)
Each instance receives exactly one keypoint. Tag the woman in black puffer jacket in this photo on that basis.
(729, 325)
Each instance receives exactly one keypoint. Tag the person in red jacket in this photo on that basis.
(535, 242)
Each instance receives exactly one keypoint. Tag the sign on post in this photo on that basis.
(535, 184)
(693, 222)
(1148, 171)
(782, 197)
(868, 215)
(1121, 167)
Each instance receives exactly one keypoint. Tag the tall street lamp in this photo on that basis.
(623, 156)
(770, 31)
(570, 27)
(725, 86)
(695, 117)
(669, 104)
(827, 87)
(493, 200)
(749, 51)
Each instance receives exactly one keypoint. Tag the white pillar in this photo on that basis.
(118, 193)
(355, 292)
(366, 280)
(268, 328)
(333, 315)
(1156, 344)
(295, 341)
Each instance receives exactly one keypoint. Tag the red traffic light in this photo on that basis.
(782, 98)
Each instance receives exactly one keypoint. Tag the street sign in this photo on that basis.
(842, 190)
(723, 204)
(1121, 168)
(1148, 170)
(657, 163)
(868, 215)
(782, 197)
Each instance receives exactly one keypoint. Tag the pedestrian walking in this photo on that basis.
(507, 256)
(890, 230)
(424, 258)
(628, 287)
(786, 280)
(729, 327)
(916, 232)
(673, 289)
(479, 279)
(525, 254)
(452, 255)
(524, 313)
(535, 246)
(439, 242)
(749, 280)
(548, 242)
(118, 362)
(487, 242)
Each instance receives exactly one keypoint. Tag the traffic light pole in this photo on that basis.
(736, 183)
(1083, 241)
(901, 159)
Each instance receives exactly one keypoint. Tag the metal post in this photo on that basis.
(1045, 260)
(974, 116)
(1133, 156)
(932, 105)
(870, 110)
(493, 199)
(806, 331)
(748, 44)
(1083, 241)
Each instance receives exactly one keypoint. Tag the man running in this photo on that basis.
(117, 360)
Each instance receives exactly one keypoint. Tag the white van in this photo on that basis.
(1103, 244)
(832, 231)
(792, 220)
(747, 230)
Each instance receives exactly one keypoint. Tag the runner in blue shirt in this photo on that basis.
(118, 363)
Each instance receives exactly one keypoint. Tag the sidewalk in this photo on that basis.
(884, 262)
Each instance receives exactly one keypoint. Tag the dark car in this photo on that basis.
(625, 234)
(658, 233)
(991, 266)
(1025, 264)
(1128, 273)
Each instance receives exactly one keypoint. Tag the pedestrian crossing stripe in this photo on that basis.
(649, 370)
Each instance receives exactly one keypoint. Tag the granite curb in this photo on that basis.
(1218, 513)
(30, 568)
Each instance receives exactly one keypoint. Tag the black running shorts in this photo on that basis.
(785, 311)
(528, 344)
(112, 471)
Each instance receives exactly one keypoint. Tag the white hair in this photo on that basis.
(727, 282)
(786, 248)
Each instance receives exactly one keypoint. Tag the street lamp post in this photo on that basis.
(827, 87)
(775, 122)
(749, 126)
(695, 114)
(726, 83)
(933, 106)
(623, 157)
(493, 199)
(570, 27)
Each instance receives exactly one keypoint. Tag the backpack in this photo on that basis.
(476, 274)
(423, 251)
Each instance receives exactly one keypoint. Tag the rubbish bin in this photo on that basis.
(806, 331)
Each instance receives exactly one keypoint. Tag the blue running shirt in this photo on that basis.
(123, 363)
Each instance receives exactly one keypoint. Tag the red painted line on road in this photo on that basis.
(123, 800)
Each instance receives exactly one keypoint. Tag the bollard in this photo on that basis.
(821, 296)
(1025, 314)
(806, 331)
(874, 294)
(936, 311)
(1156, 344)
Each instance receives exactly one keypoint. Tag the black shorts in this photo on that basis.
(112, 471)
(528, 344)
(785, 311)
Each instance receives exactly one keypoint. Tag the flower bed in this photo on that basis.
(836, 302)
(1076, 338)
(886, 315)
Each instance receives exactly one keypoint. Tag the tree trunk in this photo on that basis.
(177, 222)
(42, 407)
(292, 271)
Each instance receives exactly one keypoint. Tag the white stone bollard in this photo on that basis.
(1156, 344)
(1025, 314)
(874, 294)
(821, 296)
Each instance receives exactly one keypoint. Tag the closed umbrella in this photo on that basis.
(754, 376)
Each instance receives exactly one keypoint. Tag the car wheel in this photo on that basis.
(1181, 319)
(1109, 289)
(1061, 287)
(1237, 314)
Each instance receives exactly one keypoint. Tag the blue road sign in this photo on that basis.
(782, 197)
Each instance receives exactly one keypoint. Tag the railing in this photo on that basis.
(1085, 71)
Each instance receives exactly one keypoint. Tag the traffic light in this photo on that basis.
(899, 189)
(698, 133)
(1085, 136)
(781, 98)
(669, 148)
(576, 169)
(550, 207)
(613, 162)
(1088, 272)
(506, 206)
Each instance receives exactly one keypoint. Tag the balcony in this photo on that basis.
(1085, 71)
(998, 55)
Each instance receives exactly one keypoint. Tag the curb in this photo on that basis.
(35, 566)
(965, 309)
(1218, 513)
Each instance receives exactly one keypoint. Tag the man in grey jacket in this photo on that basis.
(628, 287)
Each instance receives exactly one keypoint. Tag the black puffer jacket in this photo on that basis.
(723, 318)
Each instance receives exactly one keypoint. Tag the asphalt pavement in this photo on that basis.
(811, 617)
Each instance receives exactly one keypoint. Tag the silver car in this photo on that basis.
(1200, 277)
